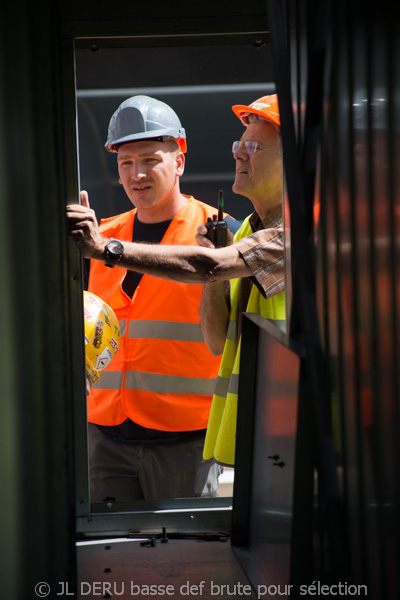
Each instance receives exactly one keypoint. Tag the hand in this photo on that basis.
(202, 240)
(83, 228)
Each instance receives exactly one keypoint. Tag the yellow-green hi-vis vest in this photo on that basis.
(221, 430)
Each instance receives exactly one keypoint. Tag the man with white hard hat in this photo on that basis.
(149, 410)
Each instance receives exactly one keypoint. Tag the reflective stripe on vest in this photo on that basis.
(122, 327)
(232, 332)
(221, 431)
(166, 330)
(156, 383)
(109, 380)
(168, 384)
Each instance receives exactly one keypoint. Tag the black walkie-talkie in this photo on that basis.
(217, 227)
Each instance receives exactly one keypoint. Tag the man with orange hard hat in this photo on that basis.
(253, 264)
(259, 242)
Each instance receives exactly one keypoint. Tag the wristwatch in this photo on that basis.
(114, 250)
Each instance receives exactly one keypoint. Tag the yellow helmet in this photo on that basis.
(102, 334)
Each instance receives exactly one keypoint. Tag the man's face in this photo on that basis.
(259, 174)
(149, 172)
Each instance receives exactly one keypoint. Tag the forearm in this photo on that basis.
(188, 264)
(214, 316)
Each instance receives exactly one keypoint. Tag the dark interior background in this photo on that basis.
(201, 83)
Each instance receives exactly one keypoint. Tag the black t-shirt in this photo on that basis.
(130, 432)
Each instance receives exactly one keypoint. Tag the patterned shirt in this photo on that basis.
(263, 252)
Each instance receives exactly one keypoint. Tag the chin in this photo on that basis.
(239, 189)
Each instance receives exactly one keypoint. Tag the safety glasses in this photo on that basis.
(251, 147)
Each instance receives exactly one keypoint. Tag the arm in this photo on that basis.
(214, 316)
(188, 264)
(214, 312)
(263, 252)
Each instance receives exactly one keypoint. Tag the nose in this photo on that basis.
(137, 172)
(241, 153)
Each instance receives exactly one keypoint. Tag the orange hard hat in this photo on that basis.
(267, 107)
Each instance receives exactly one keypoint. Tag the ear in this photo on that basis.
(119, 181)
(180, 164)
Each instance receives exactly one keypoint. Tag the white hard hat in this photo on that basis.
(141, 118)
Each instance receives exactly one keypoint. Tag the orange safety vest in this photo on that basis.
(163, 375)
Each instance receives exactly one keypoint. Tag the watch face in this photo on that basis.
(115, 247)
